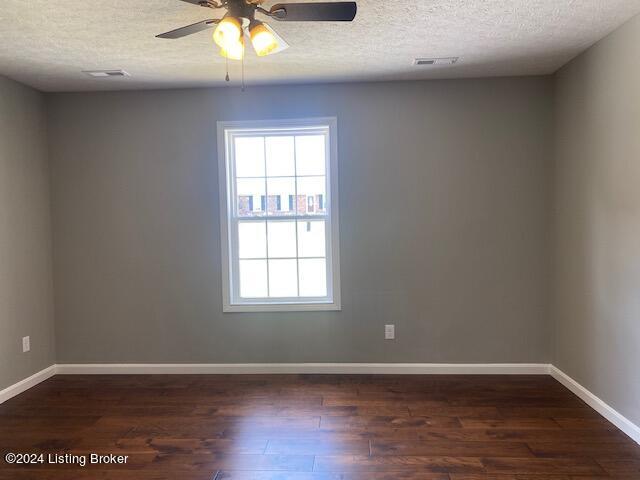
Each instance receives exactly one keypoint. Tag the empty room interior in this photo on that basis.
(372, 240)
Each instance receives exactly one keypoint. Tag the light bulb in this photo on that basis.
(227, 33)
(264, 42)
(235, 51)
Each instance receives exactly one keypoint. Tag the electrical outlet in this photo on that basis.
(26, 344)
(389, 332)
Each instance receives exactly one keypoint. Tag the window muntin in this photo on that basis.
(282, 252)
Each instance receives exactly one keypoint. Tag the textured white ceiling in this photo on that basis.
(47, 43)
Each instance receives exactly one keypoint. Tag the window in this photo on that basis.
(277, 259)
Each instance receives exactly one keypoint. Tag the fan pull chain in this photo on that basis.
(227, 63)
(243, 73)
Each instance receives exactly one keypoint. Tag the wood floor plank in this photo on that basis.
(22, 474)
(490, 476)
(315, 447)
(169, 445)
(596, 423)
(363, 463)
(449, 448)
(546, 412)
(418, 410)
(239, 475)
(615, 467)
(384, 401)
(279, 410)
(593, 450)
(347, 423)
(211, 463)
(546, 466)
(510, 423)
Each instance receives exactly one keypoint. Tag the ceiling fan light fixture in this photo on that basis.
(264, 42)
(235, 51)
(239, 26)
(228, 33)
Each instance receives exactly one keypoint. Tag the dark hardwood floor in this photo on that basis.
(314, 427)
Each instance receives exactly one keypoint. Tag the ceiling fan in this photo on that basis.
(239, 23)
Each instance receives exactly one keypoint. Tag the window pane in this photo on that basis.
(252, 239)
(311, 196)
(282, 239)
(249, 156)
(282, 278)
(280, 159)
(251, 197)
(253, 278)
(310, 155)
(279, 179)
(311, 239)
(313, 278)
(281, 196)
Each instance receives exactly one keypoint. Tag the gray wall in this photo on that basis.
(597, 306)
(26, 294)
(444, 225)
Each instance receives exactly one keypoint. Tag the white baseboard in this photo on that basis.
(309, 368)
(23, 385)
(608, 412)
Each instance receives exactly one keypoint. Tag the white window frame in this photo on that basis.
(228, 223)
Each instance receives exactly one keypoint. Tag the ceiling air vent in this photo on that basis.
(435, 61)
(106, 73)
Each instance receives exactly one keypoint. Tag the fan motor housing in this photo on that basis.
(241, 9)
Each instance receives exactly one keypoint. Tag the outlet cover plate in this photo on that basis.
(389, 332)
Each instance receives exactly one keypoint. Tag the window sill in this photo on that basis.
(282, 307)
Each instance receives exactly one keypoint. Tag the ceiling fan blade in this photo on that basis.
(316, 11)
(196, 2)
(189, 29)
